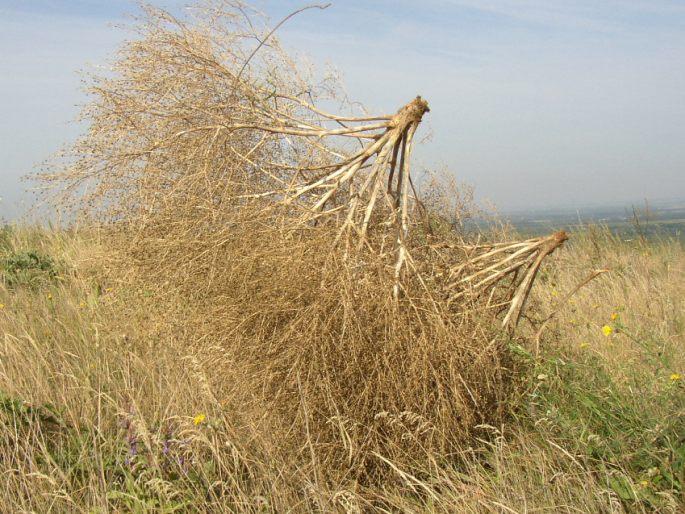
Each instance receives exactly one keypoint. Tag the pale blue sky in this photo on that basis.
(534, 102)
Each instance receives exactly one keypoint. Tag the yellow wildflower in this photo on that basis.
(2, 306)
(644, 483)
(584, 344)
(607, 330)
(675, 377)
(199, 419)
(614, 316)
(49, 296)
(82, 305)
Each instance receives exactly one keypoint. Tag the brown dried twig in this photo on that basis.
(487, 266)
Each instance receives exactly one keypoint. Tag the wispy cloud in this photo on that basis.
(40, 90)
(608, 16)
(542, 100)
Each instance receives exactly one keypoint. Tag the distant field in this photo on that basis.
(661, 221)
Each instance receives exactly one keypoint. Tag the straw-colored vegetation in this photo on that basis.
(115, 400)
(262, 312)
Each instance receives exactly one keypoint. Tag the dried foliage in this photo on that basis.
(314, 276)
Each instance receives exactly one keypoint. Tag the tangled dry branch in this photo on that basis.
(199, 130)
(486, 266)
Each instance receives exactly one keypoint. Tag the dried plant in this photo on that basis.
(201, 129)
(487, 266)
(297, 240)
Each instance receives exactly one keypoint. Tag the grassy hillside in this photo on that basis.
(109, 402)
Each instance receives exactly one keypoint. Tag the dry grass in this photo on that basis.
(95, 365)
(301, 342)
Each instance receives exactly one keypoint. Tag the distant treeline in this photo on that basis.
(665, 221)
